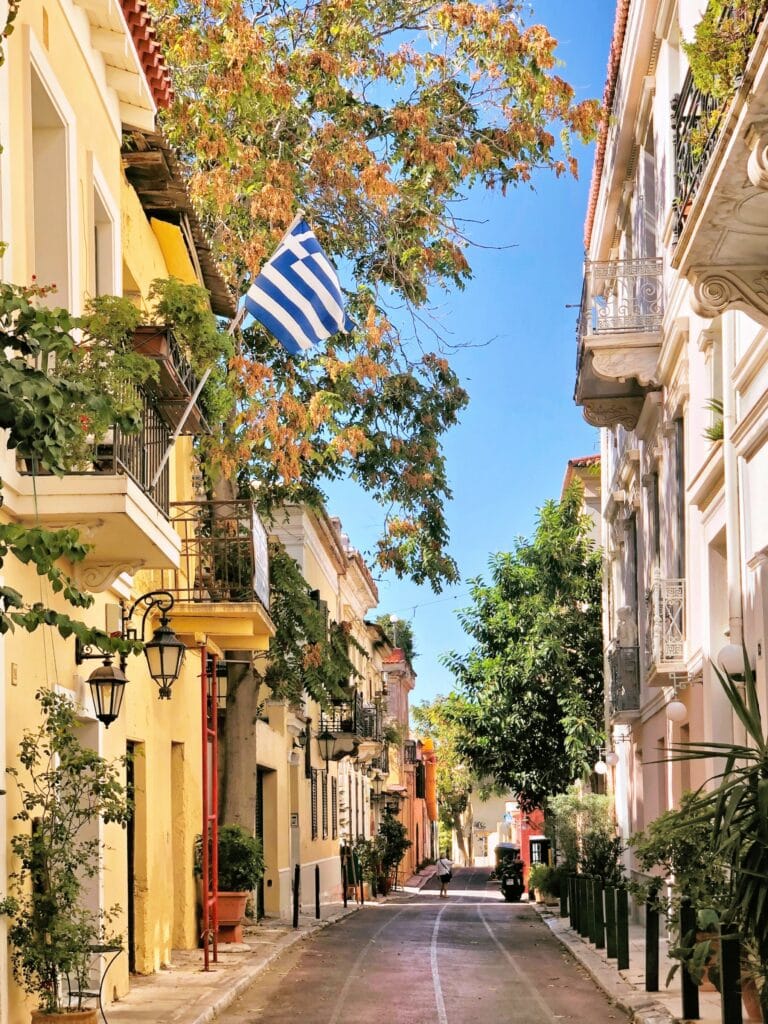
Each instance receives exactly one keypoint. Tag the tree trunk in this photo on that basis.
(237, 786)
(458, 828)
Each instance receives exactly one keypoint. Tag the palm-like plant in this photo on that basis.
(738, 807)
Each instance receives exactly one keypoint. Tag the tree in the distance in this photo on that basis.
(532, 682)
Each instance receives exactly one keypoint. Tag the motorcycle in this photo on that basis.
(509, 871)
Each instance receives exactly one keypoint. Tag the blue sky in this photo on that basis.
(508, 454)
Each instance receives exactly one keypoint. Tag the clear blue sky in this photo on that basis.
(508, 454)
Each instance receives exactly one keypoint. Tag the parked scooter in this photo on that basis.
(509, 871)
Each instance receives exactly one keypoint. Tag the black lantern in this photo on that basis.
(165, 654)
(377, 784)
(327, 743)
(107, 688)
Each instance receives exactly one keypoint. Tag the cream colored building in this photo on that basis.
(674, 316)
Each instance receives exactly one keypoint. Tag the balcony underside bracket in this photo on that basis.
(610, 412)
(626, 363)
(720, 288)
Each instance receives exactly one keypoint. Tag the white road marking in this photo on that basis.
(352, 975)
(442, 1017)
(533, 992)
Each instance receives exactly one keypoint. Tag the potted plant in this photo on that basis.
(64, 787)
(241, 866)
(536, 879)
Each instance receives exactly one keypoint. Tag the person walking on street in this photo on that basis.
(444, 873)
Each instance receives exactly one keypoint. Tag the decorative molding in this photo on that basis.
(717, 289)
(626, 364)
(757, 163)
(612, 412)
(96, 578)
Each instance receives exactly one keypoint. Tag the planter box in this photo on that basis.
(231, 907)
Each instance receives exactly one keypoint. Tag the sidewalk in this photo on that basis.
(417, 882)
(627, 988)
(185, 994)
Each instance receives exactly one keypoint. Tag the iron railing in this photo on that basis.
(381, 763)
(410, 752)
(138, 456)
(347, 716)
(665, 631)
(622, 297)
(696, 120)
(624, 665)
(223, 553)
(372, 722)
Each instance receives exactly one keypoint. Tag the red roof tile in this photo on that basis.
(147, 47)
(612, 74)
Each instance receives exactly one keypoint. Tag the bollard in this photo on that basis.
(317, 891)
(690, 990)
(730, 977)
(610, 922)
(622, 929)
(651, 943)
(585, 911)
(564, 901)
(591, 930)
(597, 896)
(296, 890)
(344, 879)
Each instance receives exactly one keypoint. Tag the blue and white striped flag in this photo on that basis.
(297, 295)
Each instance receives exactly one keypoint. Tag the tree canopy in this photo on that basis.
(375, 118)
(532, 681)
(399, 634)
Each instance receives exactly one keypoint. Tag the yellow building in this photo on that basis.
(91, 199)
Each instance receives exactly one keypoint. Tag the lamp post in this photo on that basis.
(326, 741)
(164, 654)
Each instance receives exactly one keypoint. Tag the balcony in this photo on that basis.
(346, 721)
(665, 629)
(222, 583)
(112, 498)
(410, 752)
(624, 663)
(176, 383)
(372, 730)
(720, 220)
(619, 339)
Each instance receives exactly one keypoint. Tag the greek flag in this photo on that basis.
(297, 295)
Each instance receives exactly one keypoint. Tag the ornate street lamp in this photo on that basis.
(107, 689)
(326, 741)
(164, 654)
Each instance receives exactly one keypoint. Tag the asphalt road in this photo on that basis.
(468, 959)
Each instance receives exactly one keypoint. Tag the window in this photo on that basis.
(50, 195)
(325, 804)
(334, 808)
(313, 800)
(421, 781)
(679, 438)
(102, 278)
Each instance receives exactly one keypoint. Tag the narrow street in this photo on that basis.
(470, 958)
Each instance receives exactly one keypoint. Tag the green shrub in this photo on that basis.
(241, 860)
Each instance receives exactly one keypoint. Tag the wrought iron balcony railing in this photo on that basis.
(624, 665)
(410, 752)
(138, 456)
(665, 617)
(381, 762)
(696, 120)
(224, 553)
(621, 297)
(346, 716)
(176, 382)
(372, 722)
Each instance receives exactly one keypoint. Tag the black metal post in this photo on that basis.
(730, 977)
(591, 928)
(572, 900)
(584, 916)
(622, 928)
(610, 922)
(690, 990)
(564, 901)
(296, 890)
(317, 891)
(651, 943)
(597, 899)
(344, 876)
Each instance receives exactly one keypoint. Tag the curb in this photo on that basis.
(641, 1007)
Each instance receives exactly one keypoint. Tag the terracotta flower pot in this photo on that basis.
(70, 1017)
(751, 999)
(231, 906)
